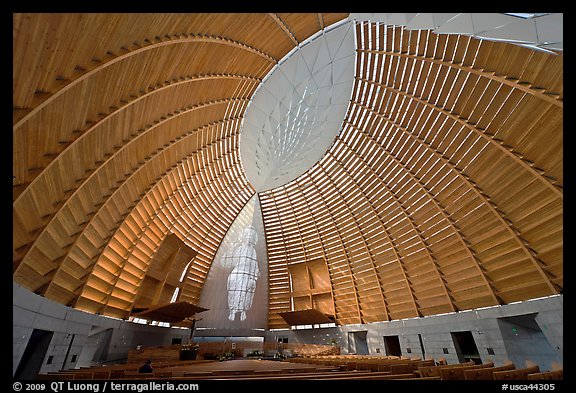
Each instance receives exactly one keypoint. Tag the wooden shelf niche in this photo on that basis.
(311, 290)
(163, 275)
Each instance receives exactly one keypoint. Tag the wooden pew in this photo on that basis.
(486, 373)
(101, 374)
(137, 375)
(458, 373)
(550, 375)
(368, 376)
(162, 374)
(434, 371)
(197, 374)
(283, 376)
(519, 373)
(344, 375)
(426, 363)
(83, 374)
(403, 368)
(55, 376)
(117, 373)
(269, 372)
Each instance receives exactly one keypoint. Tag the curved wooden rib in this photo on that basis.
(362, 312)
(432, 191)
(388, 236)
(284, 28)
(498, 144)
(441, 209)
(94, 173)
(351, 276)
(420, 114)
(185, 40)
(149, 92)
(506, 224)
(551, 98)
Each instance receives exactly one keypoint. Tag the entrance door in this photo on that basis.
(392, 345)
(466, 347)
(34, 354)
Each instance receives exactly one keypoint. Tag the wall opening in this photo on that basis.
(357, 343)
(95, 349)
(392, 345)
(466, 348)
(422, 346)
(34, 354)
(525, 341)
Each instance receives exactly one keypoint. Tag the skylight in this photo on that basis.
(525, 15)
(298, 109)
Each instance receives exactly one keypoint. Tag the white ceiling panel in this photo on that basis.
(550, 28)
(523, 30)
(538, 31)
(298, 109)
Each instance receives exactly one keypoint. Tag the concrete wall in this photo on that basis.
(436, 334)
(78, 333)
(487, 325)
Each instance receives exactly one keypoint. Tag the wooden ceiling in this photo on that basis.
(126, 130)
(443, 191)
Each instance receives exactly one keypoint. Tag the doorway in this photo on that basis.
(357, 343)
(466, 348)
(95, 349)
(524, 341)
(34, 354)
(392, 345)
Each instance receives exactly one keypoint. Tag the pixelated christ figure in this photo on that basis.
(245, 272)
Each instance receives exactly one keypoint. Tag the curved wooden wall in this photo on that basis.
(443, 191)
(126, 130)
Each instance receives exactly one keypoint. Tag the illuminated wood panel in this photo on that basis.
(443, 191)
(162, 277)
(126, 130)
(311, 287)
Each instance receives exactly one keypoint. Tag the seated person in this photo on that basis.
(146, 367)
